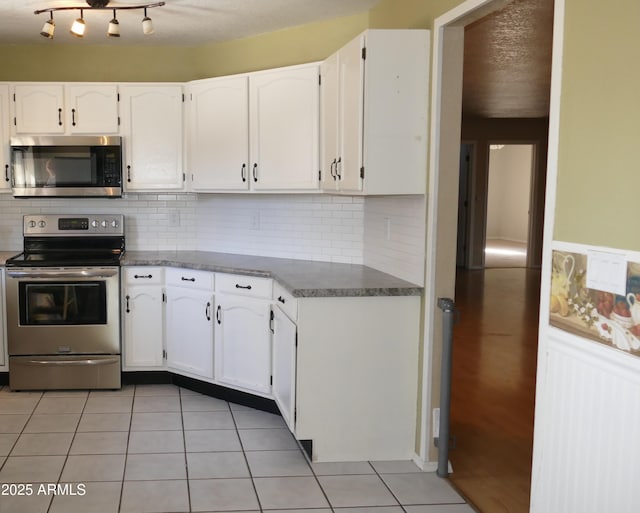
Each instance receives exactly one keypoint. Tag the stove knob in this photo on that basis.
(32, 224)
(42, 224)
(94, 224)
(114, 224)
(104, 224)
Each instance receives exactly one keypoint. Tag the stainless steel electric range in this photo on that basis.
(63, 303)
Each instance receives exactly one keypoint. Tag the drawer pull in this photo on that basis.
(143, 276)
(281, 299)
(187, 279)
(246, 287)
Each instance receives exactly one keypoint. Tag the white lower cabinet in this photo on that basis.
(189, 322)
(143, 318)
(284, 341)
(243, 343)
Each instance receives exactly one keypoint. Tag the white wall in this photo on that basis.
(509, 192)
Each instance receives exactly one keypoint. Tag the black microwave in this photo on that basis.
(81, 166)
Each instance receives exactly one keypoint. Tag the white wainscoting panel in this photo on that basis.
(588, 430)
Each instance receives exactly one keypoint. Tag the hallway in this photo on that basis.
(494, 365)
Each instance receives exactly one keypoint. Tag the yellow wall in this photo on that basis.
(598, 186)
(73, 63)
(297, 45)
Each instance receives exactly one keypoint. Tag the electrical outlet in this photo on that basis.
(174, 218)
(255, 220)
(436, 422)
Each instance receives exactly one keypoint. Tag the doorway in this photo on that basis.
(447, 99)
(508, 205)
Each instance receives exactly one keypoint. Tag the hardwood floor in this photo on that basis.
(494, 365)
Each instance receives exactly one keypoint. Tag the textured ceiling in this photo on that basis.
(507, 62)
(178, 23)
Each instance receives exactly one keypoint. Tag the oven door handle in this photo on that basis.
(82, 361)
(62, 273)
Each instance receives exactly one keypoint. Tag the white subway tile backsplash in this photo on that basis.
(394, 235)
(315, 227)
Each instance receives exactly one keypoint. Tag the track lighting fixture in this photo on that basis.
(79, 26)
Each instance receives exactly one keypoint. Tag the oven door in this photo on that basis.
(63, 311)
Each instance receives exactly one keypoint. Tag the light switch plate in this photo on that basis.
(607, 272)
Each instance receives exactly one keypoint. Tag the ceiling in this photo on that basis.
(507, 62)
(178, 23)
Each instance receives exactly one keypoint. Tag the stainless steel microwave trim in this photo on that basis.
(66, 140)
(71, 192)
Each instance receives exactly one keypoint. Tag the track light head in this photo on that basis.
(48, 28)
(78, 27)
(114, 27)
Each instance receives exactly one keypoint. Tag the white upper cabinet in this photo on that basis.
(5, 154)
(82, 108)
(152, 126)
(92, 108)
(255, 132)
(284, 128)
(374, 114)
(218, 132)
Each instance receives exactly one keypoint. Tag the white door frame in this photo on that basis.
(439, 278)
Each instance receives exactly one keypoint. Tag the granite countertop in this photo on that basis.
(302, 278)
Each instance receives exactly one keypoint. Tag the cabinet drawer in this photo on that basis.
(144, 275)
(286, 301)
(253, 286)
(189, 278)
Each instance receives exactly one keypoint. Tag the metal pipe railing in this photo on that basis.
(448, 308)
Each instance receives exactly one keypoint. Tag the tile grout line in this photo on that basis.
(126, 451)
(246, 460)
(184, 445)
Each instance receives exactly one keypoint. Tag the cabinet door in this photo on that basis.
(284, 129)
(143, 326)
(39, 108)
(152, 125)
(219, 134)
(243, 343)
(92, 108)
(284, 366)
(189, 331)
(329, 123)
(350, 117)
(5, 153)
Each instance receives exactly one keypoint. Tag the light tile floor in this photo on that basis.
(160, 448)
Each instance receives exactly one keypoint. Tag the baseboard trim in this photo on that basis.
(202, 387)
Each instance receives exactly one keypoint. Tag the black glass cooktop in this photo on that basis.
(68, 251)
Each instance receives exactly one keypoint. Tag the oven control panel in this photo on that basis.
(60, 225)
